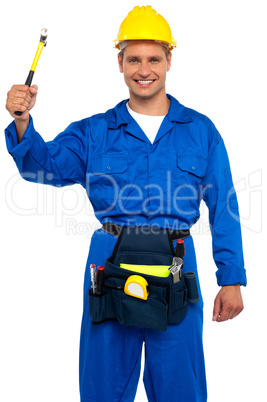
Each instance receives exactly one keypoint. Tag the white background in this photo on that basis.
(219, 68)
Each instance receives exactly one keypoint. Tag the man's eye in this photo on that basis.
(133, 61)
(154, 60)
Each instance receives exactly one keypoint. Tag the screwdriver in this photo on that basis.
(180, 248)
(92, 272)
(100, 279)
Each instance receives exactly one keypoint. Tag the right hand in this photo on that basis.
(21, 98)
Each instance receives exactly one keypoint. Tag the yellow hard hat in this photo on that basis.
(144, 23)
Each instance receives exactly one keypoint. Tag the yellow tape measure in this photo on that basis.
(136, 286)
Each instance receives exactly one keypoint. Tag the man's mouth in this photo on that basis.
(144, 82)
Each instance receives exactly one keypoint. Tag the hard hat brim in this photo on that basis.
(117, 43)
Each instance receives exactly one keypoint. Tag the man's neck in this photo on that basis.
(156, 106)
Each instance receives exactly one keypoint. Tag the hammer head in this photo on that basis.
(44, 34)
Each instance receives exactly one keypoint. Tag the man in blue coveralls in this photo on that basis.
(148, 161)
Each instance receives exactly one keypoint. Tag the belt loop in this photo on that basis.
(112, 228)
(171, 241)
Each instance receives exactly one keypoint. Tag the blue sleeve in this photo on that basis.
(59, 162)
(220, 197)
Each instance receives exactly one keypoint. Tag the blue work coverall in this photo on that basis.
(130, 181)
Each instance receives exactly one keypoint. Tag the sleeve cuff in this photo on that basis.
(231, 276)
(14, 148)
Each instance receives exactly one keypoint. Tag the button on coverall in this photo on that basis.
(130, 181)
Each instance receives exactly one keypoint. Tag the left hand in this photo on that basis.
(228, 303)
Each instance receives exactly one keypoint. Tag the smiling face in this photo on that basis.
(144, 65)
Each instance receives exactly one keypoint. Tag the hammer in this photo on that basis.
(42, 43)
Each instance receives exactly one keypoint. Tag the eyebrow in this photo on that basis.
(149, 57)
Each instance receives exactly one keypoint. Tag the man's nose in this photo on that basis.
(144, 69)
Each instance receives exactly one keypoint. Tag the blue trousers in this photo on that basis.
(110, 353)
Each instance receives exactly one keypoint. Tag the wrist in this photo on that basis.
(21, 127)
(237, 285)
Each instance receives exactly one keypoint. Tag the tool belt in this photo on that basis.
(166, 302)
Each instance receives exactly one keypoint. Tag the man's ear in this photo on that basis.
(120, 63)
(169, 62)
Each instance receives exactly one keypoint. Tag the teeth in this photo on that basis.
(145, 82)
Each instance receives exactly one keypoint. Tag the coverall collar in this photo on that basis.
(177, 113)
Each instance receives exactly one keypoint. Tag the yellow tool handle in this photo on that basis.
(37, 56)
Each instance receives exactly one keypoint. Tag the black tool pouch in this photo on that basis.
(167, 302)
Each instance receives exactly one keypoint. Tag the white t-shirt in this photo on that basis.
(149, 124)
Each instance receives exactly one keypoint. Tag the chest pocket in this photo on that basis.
(109, 175)
(195, 165)
(109, 164)
(191, 170)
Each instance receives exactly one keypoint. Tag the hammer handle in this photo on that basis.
(27, 82)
